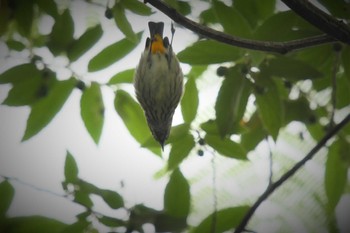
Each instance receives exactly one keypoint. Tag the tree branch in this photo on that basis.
(268, 46)
(290, 173)
(320, 19)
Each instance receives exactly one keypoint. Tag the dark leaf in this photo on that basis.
(113, 199)
(62, 33)
(7, 193)
(180, 149)
(32, 224)
(48, 7)
(345, 60)
(190, 101)
(342, 92)
(256, 133)
(15, 45)
(23, 14)
(111, 222)
(126, 76)
(92, 110)
(134, 119)
(298, 110)
(177, 196)
(167, 223)
(338, 8)
(77, 227)
(84, 42)
(112, 54)
(336, 172)
(290, 69)
(70, 169)
(206, 52)
(123, 23)
(226, 219)
(232, 20)
(231, 101)
(226, 147)
(137, 7)
(43, 111)
(269, 105)
(255, 11)
(83, 199)
(19, 73)
(285, 26)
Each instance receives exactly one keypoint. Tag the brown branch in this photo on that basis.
(320, 19)
(268, 46)
(290, 173)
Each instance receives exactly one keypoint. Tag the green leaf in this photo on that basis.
(207, 52)
(70, 169)
(32, 224)
(255, 11)
(137, 7)
(256, 133)
(189, 102)
(111, 222)
(208, 16)
(134, 119)
(113, 199)
(298, 110)
(77, 227)
(231, 20)
(231, 101)
(196, 72)
(166, 223)
(182, 7)
(84, 42)
(338, 8)
(285, 26)
(178, 132)
(15, 45)
(62, 33)
(290, 69)
(126, 76)
(342, 92)
(226, 147)
(92, 110)
(180, 149)
(49, 7)
(123, 23)
(345, 60)
(226, 219)
(19, 73)
(31, 88)
(7, 193)
(269, 105)
(43, 111)
(23, 14)
(177, 196)
(83, 199)
(336, 172)
(112, 54)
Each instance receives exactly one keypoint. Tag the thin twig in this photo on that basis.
(270, 162)
(268, 46)
(290, 173)
(336, 65)
(320, 19)
(215, 198)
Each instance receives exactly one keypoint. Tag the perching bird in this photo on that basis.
(158, 82)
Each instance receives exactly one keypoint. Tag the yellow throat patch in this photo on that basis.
(157, 45)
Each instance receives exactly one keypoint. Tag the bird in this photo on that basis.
(158, 82)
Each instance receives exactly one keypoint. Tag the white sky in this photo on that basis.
(118, 157)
